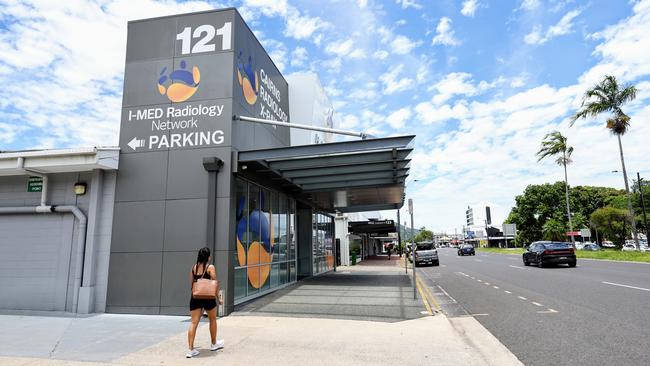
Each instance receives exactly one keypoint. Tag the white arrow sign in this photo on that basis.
(135, 143)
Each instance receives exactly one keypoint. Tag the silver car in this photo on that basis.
(426, 252)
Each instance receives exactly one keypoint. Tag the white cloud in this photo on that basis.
(564, 26)
(362, 3)
(444, 33)
(469, 8)
(349, 121)
(429, 113)
(298, 56)
(303, 27)
(530, 4)
(455, 83)
(398, 118)
(409, 4)
(297, 25)
(344, 49)
(402, 45)
(392, 81)
(380, 54)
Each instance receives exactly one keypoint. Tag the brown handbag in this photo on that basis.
(205, 289)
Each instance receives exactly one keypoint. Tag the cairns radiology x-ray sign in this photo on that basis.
(185, 75)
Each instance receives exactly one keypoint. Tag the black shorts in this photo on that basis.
(202, 303)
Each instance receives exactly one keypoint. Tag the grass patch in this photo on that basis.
(609, 254)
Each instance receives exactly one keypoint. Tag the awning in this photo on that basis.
(351, 176)
(372, 227)
(58, 160)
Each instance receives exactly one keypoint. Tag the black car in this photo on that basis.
(543, 253)
(466, 249)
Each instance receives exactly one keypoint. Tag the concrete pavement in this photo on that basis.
(560, 316)
(259, 339)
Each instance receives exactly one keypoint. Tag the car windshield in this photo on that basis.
(425, 246)
(556, 246)
(467, 246)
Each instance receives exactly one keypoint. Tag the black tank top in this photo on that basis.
(205, 272)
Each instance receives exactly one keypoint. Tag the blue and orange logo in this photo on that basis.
(248, 79)
(255, 241)
(180, 84)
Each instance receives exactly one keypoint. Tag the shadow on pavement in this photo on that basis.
(371, 291)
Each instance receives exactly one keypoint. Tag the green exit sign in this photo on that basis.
(35, 184)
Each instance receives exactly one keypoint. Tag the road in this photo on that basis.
(597, 313)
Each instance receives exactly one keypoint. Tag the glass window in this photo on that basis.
(240, 283)
(275, 225)
(275, 269)
(284, 273)
(266, 250)
(241, 223)
(292, 229)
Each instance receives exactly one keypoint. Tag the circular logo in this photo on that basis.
(180, 84)
(248, 79)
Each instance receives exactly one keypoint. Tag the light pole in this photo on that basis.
(639, 181)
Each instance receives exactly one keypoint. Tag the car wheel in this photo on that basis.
(540, 263)
(436, 263)
(572, 264)
(526, 263)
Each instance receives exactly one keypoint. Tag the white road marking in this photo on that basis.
(486, 283)
(449, 296)
(496, 287)
(443, 265)
(473, 278)
(628, 286)
(518, 267)
(507, 292)
(549, 311)
(478, 260)
(536, 303)
(480, 280)
(480, 314)
(522, 298)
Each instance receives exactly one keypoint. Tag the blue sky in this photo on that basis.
(480, 82)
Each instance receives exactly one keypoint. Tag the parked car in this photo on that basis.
(579, 246)
(543, 253)
(592, 247)
(425, 252)
(608, 244)
(466, 249)
(629, 247)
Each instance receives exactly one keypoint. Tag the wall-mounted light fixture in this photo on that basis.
(80, 188)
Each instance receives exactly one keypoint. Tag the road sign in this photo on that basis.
(509, 229)
(34, 184)
(585, 233)
(573, 233)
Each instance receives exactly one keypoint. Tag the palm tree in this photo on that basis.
(555, 144)
(608, 96)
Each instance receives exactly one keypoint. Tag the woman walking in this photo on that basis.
(202, 269)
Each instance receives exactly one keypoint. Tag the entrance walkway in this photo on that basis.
(377, 289)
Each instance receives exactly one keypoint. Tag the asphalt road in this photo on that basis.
(552, 316)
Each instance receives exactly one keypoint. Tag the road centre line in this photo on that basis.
(496, 287)
(536, 303)
(507, 292)
(480, 280)
(482, 314)
(486, 283)
(518, 267)
(549, 311)
(628, 286)
(522, 298)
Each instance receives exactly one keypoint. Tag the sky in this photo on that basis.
(479, 82)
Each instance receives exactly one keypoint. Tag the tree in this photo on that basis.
(611, 222)
(542, 202)
(555, 144)
(554, 230)
(607, 96)
(423, 235)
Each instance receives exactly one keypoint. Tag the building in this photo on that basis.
(190, 172)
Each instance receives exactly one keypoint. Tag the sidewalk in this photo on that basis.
(254, 337)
